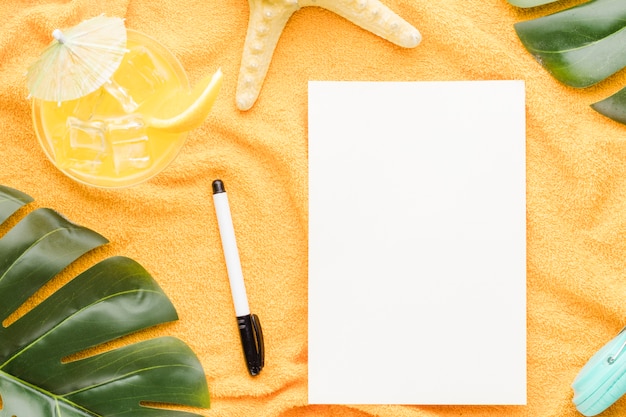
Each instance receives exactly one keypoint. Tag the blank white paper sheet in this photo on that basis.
(417, 243)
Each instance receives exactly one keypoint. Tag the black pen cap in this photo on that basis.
(218, 187)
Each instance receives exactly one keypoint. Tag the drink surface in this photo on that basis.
(104, 138)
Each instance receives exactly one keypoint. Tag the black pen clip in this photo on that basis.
(258, 335)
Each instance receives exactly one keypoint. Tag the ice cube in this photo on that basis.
(84, 147)
(121, 95)
(86, 135)
(83, 108)
(143, 74)
(130, 145)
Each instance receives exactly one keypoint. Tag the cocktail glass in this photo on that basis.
(109, 138)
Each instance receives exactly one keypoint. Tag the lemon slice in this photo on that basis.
(191, 108)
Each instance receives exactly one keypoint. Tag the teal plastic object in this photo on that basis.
(602, 381)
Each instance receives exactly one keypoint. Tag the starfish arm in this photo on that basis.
(373, 16)
(266, 23)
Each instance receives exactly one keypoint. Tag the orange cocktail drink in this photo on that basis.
(105, 138)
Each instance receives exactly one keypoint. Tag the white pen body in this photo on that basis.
(231, 254)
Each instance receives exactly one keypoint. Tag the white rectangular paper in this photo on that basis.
(417, 243)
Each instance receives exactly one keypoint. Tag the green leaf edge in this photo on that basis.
(530, 3)
(11, 200)
(613, 107)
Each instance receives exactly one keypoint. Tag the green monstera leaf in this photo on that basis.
(111, 299)
(580, 46)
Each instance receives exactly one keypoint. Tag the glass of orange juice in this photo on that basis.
(104, 139)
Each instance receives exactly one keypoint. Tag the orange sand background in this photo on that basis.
(576, 187)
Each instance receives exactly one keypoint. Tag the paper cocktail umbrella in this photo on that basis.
(79, 60)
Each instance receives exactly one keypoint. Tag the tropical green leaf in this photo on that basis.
(113, 298)
(530, 3)
(579, 46)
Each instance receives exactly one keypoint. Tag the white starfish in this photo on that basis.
(269, 17)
